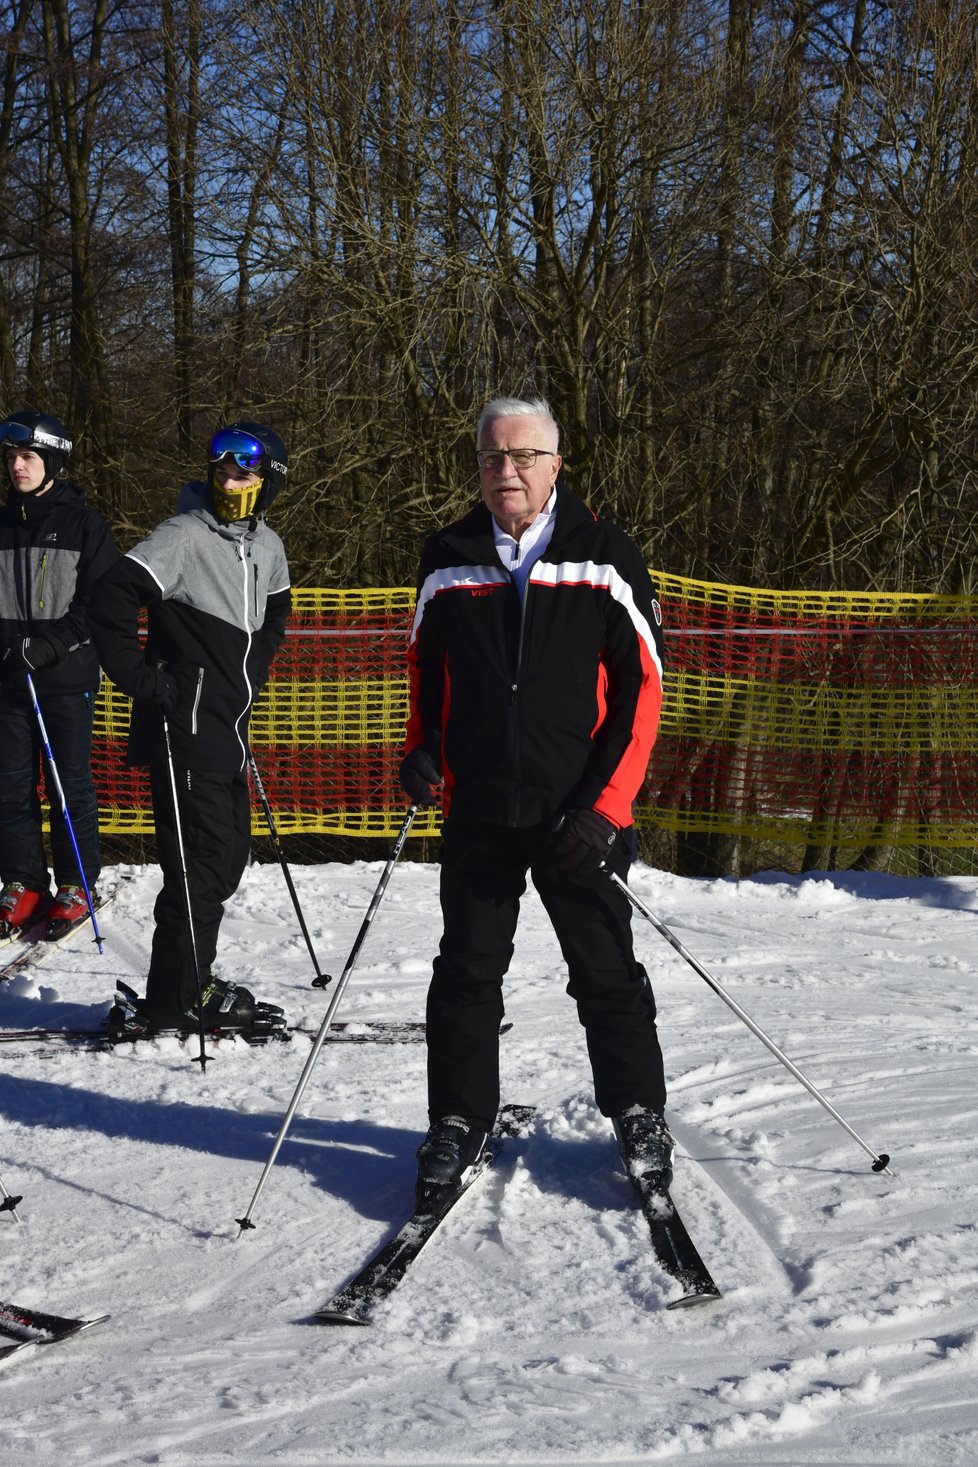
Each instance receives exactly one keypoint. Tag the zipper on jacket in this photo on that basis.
(197, 695)
(514, 698)
(244, 558)
(40, 586)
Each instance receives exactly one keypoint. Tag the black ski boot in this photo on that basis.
(228, 1010)
(646, 1147)
(445, 1157)
(127, 1017)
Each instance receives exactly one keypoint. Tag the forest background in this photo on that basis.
(734, 244)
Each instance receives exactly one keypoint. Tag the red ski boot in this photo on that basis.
(66, 911)
(20, 907)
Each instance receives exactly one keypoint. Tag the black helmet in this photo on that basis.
(257, 448)
(43, 434)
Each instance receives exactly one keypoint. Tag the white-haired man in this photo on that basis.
(536, 677)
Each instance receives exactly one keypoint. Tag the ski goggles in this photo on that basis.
(246, 451)
(20, 437)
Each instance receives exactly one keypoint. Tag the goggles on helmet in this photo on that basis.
(246, 451)
(18, 435)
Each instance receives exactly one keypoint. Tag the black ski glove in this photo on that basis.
(29, 654)
(582, 840)
(420, 777)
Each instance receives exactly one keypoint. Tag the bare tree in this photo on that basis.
(180, 34)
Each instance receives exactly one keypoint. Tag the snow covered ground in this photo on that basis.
(534, 1328)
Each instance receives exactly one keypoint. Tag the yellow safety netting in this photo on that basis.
(829, 717)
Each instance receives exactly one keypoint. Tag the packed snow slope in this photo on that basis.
(534, 1328)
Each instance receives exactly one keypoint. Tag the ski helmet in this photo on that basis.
(254, 447)
(41, 433)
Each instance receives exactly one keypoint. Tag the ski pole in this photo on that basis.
(321, 980)
(49, 756)
(880, 1161)
(202, 1058)
(245, 1222)
(9, 1204)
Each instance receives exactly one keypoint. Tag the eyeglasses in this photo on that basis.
(246, 451)
(520, 458)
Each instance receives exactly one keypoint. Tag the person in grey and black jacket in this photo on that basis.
(215, 582)
(53, 548)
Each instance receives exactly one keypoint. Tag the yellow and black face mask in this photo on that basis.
(236, 503)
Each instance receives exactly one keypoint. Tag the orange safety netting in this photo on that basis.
(829, 718)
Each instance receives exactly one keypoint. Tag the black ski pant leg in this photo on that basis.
(483, 876)
(22, 855)
(216, 827)
(68, 719)
(615, 1004)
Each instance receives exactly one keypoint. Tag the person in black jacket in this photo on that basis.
(535, 668)
(215, 582)
(53, 548)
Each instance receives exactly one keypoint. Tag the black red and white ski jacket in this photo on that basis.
(53, 549)
(543, 705)
(217, 599)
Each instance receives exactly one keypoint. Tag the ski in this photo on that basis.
(355, 1302)
(32, 931)
(348, 1031)
(31, 947)
(674, 1249)
(100, 1040)
(376, 1032)
(26, 1328)
(379, 1031)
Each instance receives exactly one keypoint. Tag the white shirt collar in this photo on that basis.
(534, 530)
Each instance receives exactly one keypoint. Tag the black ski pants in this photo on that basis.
(68, 720)
(483, 877)
(215, 823)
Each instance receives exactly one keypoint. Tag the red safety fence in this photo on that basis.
(827, 718)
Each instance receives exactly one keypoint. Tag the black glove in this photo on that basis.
(582, 840)
(419, 776)
(167, 694)
(29, 654)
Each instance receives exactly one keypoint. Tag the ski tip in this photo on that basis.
(690, 1301)
(336, 1316)
(91, 1323)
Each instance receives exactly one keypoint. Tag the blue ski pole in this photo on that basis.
(53, 768)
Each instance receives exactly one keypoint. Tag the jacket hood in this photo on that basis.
(194, 495)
